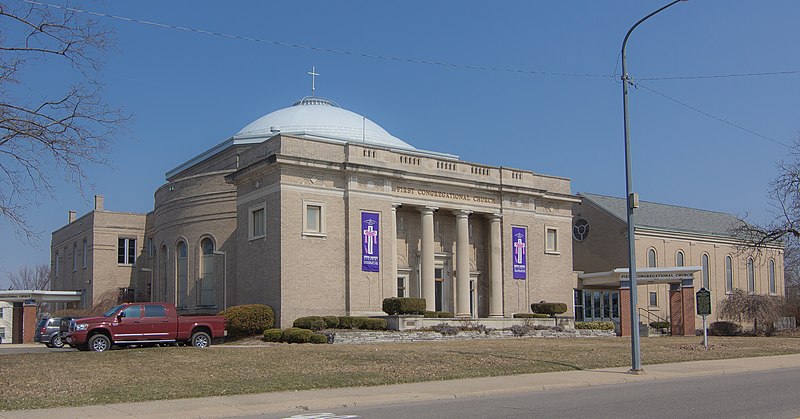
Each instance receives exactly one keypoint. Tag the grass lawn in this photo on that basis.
(129, 375)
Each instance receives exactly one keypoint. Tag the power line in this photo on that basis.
(722, 76)
(321, 49)
(724, 121)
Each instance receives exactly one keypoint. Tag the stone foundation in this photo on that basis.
(359, 337)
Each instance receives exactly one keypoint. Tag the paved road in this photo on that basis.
(30, 348)
(764, 394)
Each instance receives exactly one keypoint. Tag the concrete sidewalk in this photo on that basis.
(298, 402)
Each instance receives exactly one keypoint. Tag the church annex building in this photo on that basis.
(316, 210)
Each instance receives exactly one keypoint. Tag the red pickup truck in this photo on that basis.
(143, 323)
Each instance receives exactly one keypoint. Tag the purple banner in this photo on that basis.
(518, 250)
(370, 224)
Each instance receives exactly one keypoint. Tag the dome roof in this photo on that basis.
(321, 118)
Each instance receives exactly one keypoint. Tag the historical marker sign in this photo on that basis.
(703, 302)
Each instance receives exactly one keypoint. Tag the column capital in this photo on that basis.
(461, 213)
(427, 210)
(396, 205)
(494, 216)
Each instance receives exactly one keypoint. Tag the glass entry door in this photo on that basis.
(600, 305)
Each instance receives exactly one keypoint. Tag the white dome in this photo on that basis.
(322, 118)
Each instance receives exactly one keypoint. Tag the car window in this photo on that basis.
(111, 311)
(155, 311)
(55, 322)
(42, 323)
(133, 311)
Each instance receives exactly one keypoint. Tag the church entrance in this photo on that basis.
(443, 284)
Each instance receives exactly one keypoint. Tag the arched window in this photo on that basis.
(160, 293)
(706, 273)
(772, 287)
(181, 270)
(751, 276)
(728, 274)
(207, 269)
(651, 258)
(679, 258)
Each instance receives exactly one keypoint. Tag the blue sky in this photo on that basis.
(189, 91)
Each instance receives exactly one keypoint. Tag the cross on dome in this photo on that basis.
(313, 73)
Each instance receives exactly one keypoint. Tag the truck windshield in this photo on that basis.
(112, 311)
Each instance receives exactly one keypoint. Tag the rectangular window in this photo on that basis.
(257, 222)
(653, 299)
(3, 333)
(1, 313)
(57, 267)
(551, 240)
(155, 311)
(401, 286)
(150, 249)
(313, 218)
(126, 251)
(74, 257)
(578, 305)
(85, 253)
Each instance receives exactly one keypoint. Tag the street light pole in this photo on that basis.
(632, 202)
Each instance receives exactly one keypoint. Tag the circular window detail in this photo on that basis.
(580, 230)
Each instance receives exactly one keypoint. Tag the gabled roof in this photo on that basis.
(668, 217)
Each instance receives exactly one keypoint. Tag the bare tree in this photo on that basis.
(758, 309)
(36, 278)
(54, 133)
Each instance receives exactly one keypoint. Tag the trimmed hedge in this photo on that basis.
(530, 316)
(374, 324)
(318, 338)
(595, 325)
(724, 329)
(351, 322)
(296, 335)
(660, 325)
(551, 309)
(248, 319)
(439, 314)
(273, 335)
(315, 323)
(331, 322)
(395, 305)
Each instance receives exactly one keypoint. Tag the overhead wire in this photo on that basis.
(323, 49)
(448, 64)
(724, 121)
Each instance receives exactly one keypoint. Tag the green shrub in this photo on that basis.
(660, 325)
(373, 324)
(331, 322)
(315, 323)
(724, 329)
(395, 305)
(351, 322)
(429, 314)
(595, 325)
(530, 316)
(445, 314)
(248, 319)
(551, 309)
(296, 335)
(273, 335)
(318, 338)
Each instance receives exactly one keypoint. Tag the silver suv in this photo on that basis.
(48, 331)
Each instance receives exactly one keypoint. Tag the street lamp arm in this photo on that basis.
(630, 31)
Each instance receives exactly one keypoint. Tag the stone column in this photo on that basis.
(392, 254)
(427, 270)
(495, 267)
(687, 291)
(462, 263)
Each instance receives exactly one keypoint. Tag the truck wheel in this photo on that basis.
(99, 343)
(56, 342)
(201, 340)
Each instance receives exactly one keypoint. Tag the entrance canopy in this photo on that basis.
(619, 277)
(22, 296)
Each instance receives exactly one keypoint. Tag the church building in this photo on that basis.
(316, 210)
